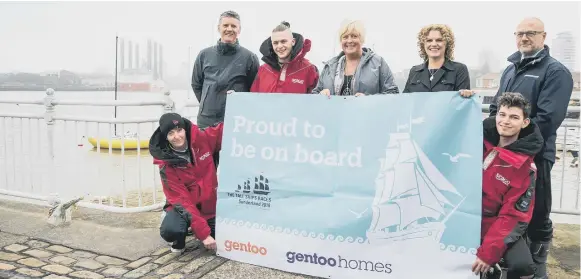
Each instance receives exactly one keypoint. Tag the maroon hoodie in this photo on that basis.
(298, 76)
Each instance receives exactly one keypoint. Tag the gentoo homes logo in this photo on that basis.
(338, 262)
(256, 194)
(247, 247)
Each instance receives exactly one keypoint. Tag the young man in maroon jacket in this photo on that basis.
(188, 175)
(286, 70)
(511, 142)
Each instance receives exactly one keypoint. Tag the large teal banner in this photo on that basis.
(382, 186)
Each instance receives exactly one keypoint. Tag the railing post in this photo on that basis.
(49, 120)
(169, 105)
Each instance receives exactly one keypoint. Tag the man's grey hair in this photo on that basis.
(229, 13)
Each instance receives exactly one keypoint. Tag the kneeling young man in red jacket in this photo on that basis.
(511, 142)
(188, 175)
(286, 70)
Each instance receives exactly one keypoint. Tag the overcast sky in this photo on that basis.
(80, 36)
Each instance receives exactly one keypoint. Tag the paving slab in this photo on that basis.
(6, 238)
(103, 245)
(92, 230)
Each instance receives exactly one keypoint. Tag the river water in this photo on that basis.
(79, 169)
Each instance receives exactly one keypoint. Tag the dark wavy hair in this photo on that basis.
(513, 99)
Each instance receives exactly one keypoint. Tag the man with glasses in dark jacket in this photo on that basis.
(548, 85)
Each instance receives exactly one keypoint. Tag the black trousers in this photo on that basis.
(174, 228)
(540, 229)
(518, 260)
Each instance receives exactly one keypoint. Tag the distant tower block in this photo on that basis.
(136, 56)
(130, 54)
(160, 61)
(155, 61)
(564, 49)
(122, 54)
(149, 54)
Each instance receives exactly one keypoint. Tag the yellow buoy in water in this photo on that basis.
(128, 143)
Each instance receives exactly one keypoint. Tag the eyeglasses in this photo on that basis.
(529, 34)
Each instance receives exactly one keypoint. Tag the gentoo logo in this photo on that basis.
(296, 80)
(230, 245)
(502, 179)
(204, 156)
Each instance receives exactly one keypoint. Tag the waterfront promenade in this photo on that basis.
(108, 245)
(104, 245)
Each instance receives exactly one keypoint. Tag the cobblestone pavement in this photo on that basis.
(33, 258)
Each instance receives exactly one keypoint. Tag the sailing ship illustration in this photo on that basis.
(246, 188)
(408, 202)
(260, 186)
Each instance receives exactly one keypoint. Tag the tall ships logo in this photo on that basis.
(253, 194)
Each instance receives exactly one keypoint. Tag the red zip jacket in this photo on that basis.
(508, 187)
(190, 188)
(298, 76)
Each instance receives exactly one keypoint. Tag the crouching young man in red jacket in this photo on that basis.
(188, 175)
(511, 141)
(286, 70)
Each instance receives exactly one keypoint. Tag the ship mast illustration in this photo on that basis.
(408, 202)
(261, 185)
(246, 188)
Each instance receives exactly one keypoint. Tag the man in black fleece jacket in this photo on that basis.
(221, 68)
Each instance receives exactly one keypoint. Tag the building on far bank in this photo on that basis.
(98, 80)
(488, 80)
(564, 49)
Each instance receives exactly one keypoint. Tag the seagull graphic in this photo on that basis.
(358, 215)
(458, 156)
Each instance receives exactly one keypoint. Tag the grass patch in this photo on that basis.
(563, 262)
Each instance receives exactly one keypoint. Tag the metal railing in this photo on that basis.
(41, 156)
(33, 171)
(486, 108)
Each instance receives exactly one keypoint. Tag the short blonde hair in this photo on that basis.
(352, 27)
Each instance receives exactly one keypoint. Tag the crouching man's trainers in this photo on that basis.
(176, 250)
(173, 248)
